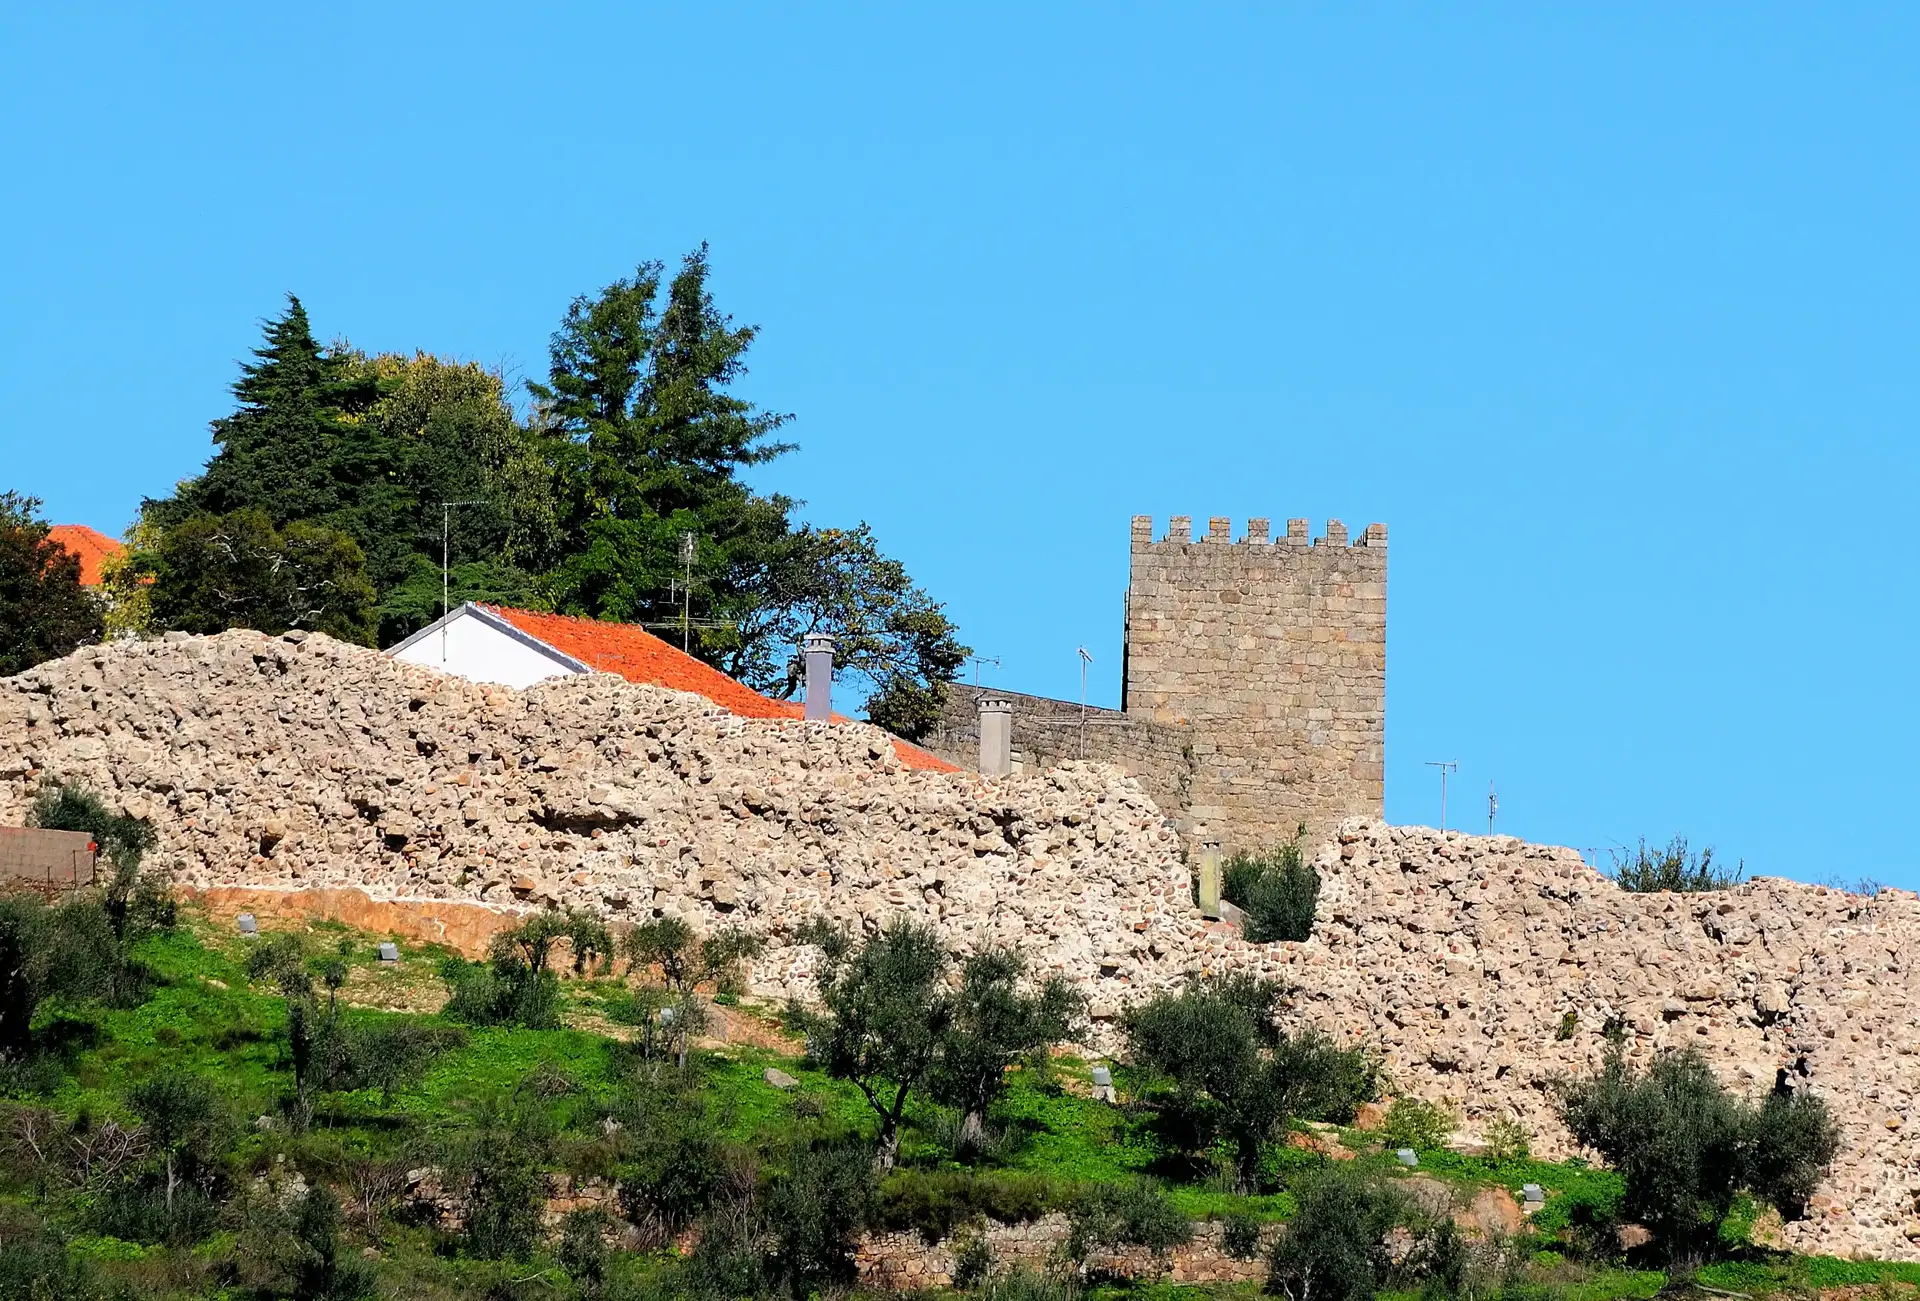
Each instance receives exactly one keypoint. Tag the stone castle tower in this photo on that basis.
(1253, 683)
(1272, 653)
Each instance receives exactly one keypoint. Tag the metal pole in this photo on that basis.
(1493, 807)
(1085, 659)
(687, 546)
(1445, 766)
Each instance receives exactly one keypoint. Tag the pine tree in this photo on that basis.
(292, 448)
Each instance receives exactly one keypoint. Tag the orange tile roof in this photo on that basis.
(639, 656)
(92, 546)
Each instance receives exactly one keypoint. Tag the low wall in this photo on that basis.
(906, 1262)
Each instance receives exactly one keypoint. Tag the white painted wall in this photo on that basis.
(481, 653)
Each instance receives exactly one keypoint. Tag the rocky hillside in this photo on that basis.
(298, 761)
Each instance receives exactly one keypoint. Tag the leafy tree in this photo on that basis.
(214, 572)
(132, 904)
(1686, 1147)
(885, 1019)
(1676, 868)
(183, 1119)
(369, 447)
(323, 1272)
(506, 1189)
(1336, 1246)
(66, 952)
(1234, 1073)
(994, 1026)
(648, 442)
(1277, 891)
(44, 611)
(887, 632)
(516, 986)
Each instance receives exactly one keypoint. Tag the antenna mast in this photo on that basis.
(1085, 659)
(1445, 766)
(688, 545)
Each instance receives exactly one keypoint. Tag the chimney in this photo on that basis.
(996, 736)
(819, 651)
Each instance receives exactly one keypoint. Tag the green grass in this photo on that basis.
(204, 1017)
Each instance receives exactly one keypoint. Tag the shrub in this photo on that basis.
(936, 1202)
(814, 1213)
(1508, 1140)
(1416, 1123)
(1685, 1147)
(1277, 891)
(1335, 1247)
(972, 1262)
(1674, 868)
(1108, 1216)
(1240, 1236)
(505, 991)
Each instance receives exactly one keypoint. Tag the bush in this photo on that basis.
(1674, 868)
(1508, 1140)
(1335, 1247)
(1416, 1123)
(972, 1262)
(505, 991)
(1685, 1147)
(1277, 891)
(1240, 1236)
(936, 1202)
(1108, 1216)
(814, 1214)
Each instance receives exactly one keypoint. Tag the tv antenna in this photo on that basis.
(978, 660)
(1493, 807)
(689, 547)
(1086, 658)
(446, 540)
(1445, 766)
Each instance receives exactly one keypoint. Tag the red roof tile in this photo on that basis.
(92, 546)
(639, 656)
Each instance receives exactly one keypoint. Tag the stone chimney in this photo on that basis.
(996, 736)
(819, 652)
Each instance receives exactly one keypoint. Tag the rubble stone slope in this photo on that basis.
(299, 761)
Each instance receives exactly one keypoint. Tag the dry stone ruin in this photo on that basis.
(299, 762)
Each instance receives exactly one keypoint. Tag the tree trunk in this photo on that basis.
(887, 1151)
(972, 1138)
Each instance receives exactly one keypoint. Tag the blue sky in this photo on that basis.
(1609, 312)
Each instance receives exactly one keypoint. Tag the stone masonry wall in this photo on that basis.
(299, 762)
(1273, 652)
(1048, 732)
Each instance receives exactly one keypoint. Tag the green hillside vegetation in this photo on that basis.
(241, 1122)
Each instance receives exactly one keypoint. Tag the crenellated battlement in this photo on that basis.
(1258, 534)
(1272, 651)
